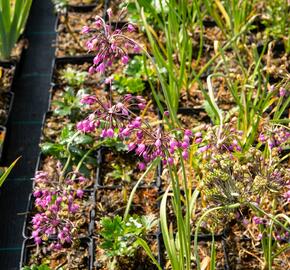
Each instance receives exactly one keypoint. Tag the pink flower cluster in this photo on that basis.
(56, 205)
(109, 44)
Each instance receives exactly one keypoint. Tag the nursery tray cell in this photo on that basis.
(7, 76)
(6, 103)
(140, 261)
(87, 224)
(77, 257)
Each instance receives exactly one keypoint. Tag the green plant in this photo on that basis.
(252, 95)
(73, 77)
(276, 20)
(133, 77)
(70, 105)
(119, 236)
(71, 149)
(60, 6)
(121, 171)
(230, 15)
(13, 16)
(172, 59)
(131, 85)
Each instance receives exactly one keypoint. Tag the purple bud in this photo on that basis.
(188, 132)
(141, 106)
(141, 166)
(91, 70)
(110, 133)
(158, 143)
(185, 154)
(140, 149)
(131, 146)
(198, 140)
(166, 113)
(85, 29)
(282, 92)
(125, 59)
(170, 161)
(198, 134)
(136, 49)
(131, 28)
(80, 193)
(184, 145)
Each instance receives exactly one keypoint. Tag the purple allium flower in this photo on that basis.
(136, 49)
(130, 28)
(109, 44)
(166, 113)
(85, 29)
(141, 166)
(282, 92)
(86, 126)
(88, 99)
(125, 59)
(185, 154)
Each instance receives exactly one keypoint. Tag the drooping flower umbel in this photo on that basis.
(108, 43)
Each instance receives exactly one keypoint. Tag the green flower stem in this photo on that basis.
(136, 186)
(69, 156)
(83, 159)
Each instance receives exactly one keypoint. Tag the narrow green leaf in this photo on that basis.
(7, 172)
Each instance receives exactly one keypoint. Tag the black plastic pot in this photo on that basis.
(59, 62)
(26, 232)
(119, 211)
(10, 97)
(194, 112)
(10, 64)
(155, 183)
(78, 9)
(84, 8)
(28, 245)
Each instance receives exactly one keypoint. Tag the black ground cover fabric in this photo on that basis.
(24, 127)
